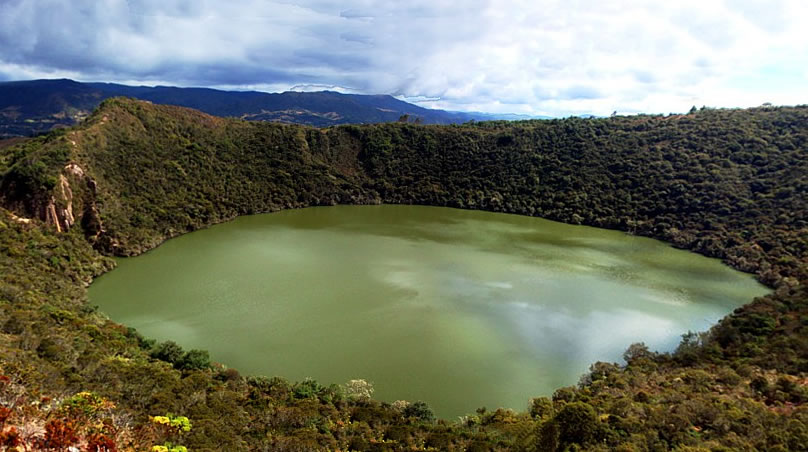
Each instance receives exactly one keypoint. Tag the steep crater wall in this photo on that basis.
(726, 183)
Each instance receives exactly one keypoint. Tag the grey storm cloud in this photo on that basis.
(526, 56)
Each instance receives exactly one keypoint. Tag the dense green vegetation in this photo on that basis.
(726, 183)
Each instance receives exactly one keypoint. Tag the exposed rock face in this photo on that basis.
(73, 195)
(58, 212)
(20, 219)
(74, 169)
(51, 216)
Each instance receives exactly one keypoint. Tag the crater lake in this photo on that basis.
(460, 309)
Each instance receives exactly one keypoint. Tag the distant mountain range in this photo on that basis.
(35, 106)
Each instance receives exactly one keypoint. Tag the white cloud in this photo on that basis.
(545, 57)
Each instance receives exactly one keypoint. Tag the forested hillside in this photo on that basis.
(725, 183)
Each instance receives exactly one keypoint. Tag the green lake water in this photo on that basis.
(461, 309)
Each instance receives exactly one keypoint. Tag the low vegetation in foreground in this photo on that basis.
(724, 183)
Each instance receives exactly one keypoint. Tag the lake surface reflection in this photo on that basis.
(460, 309)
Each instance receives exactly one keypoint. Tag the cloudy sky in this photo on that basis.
(522, 56)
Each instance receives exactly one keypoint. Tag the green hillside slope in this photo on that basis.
(725, 183)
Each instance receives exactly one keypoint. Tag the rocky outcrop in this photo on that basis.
(58, 211)
(71, 200)
(60, 214)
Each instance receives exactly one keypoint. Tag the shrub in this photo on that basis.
(577, 423)
(540, 407)
(168, 351)
(419, 410)
(308, 388)
(98, 442)
(59, 434)
(358, 390)
(194, 360)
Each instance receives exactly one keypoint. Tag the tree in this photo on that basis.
(540, 407)
(168, 351)
(636, 351)
(577, 423)
(194, 360)
(598, 371)
(419, 410)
